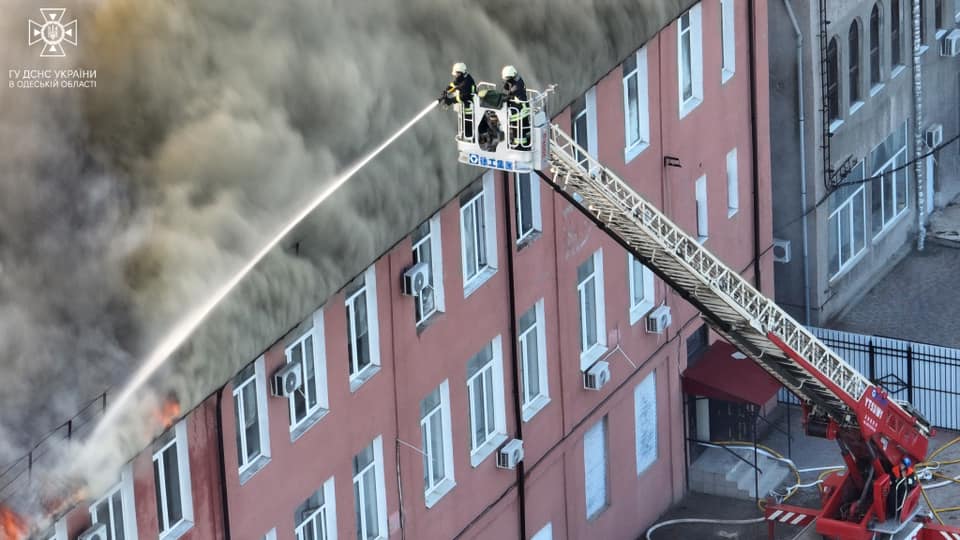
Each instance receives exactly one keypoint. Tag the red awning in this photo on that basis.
(723, 372)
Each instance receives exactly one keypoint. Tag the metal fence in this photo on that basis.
(928, 376)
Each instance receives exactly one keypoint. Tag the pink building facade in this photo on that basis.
(404, 401)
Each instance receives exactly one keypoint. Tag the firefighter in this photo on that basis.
(460, 91)
(515, 91)
(905, 479)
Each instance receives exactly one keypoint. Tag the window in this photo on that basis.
(316, 518)
(703, 216)
(728, 37)
(533, 358)
(853, 38)
(427, 249)
(116, 509)
(833, 82)
(896, 34)
(546, 533)
(437, 437)
(690, 60)
(923, 26)
(733, 184)
(370, 496)
(583, 119)
(847, 223)
(938, 18)
(636, 104)
(478, 234)
(171, 475)
(595, 468)
(645, 420)
(528, 207)
(250, 406)
(641, 288)
(271, 534)
(875, 29)
(889, 187)
(488, 422)
(363, 333)
(956, 16)
(593, 325)
(309, 403)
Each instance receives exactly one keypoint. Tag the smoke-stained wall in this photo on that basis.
(121, 205)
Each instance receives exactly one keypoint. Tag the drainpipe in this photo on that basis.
(514, 354)
(918, 129)
(224, 502)
(755, 143)
(803, 162)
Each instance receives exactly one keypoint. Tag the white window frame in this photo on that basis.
(703, 210)
(847, 208)
(486, 198)
(361, 375)
(436, 269)
(641, 122)
(692, 30)
(532, 404)
(887, 222)
(733, 183)
(434, 491)
(127, 507)
(596, 350)
(249, 466)
(728, 36)
(170, 531)
(590, 111)
(597, 434)
(536, 218)
(546, 533)
(645, 422)
(313, 414)
(327, 514)
(639, 308)
(271, 534)
(376, 467)
(492, 391)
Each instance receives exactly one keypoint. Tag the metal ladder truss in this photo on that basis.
(728, 302)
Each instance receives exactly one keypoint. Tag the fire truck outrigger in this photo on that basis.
(877, 496)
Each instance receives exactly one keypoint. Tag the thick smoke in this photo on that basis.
(121, 205)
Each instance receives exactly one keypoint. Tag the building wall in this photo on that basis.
(485, 501)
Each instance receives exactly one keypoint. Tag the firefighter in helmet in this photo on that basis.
(460, 91)
(515, 91)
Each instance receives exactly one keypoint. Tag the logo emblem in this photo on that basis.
(52, 32)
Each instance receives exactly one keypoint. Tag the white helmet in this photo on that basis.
(508, 72)
(459, 67)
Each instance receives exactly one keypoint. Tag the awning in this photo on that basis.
(723, 372)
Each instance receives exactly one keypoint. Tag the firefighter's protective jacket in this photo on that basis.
(461, 90)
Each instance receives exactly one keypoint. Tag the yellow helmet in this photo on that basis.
(459, 67)
(508, 72)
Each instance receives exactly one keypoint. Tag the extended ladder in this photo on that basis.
(736, 310)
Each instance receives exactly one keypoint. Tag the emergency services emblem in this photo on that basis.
(52, 32)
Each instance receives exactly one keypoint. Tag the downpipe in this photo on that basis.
(918, 129)
(224, 502)
(755, 144)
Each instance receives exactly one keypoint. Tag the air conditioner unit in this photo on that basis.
(781, 250)
(416, 278)
(597, 376)
(510, 454)
(951, 44)
(934, 135)
(658, 320)
(287, 380)
(97, 532)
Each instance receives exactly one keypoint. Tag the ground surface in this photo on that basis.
(806, 452)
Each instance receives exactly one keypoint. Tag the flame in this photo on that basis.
(168, 412)
(12, 526)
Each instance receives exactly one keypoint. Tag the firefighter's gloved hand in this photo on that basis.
(443, 98)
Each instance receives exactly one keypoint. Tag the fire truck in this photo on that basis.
(877, 496)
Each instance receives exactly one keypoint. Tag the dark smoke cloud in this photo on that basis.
(120, 205)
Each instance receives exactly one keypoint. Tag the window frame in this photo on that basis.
(901, 176)
(728, 38)
(434, 240)
(359, 375)
(640, 76)
(492, 396)
(536, 218)
(326, 511)
(693, 31)
(127, 507)
(178, 438)
(939, 19)
(847, 208)
(896, 36)
(854, 71)
(834, 97)
(875, 49)
(639, 309)
(248, 466)
(534, 403)
(733, 183)
(701, 197)
(643, 437)
(487, 265)
(434, 491)
(377, 467)
(601, 427)
(590, 354)
(313, 414)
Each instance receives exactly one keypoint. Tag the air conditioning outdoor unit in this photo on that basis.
(951, 44)
(658, 320)
(97, 532)
(510, 454)
(416, 278)
(934, 135)
(287, 380)
(597, 376)
(781, 250)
